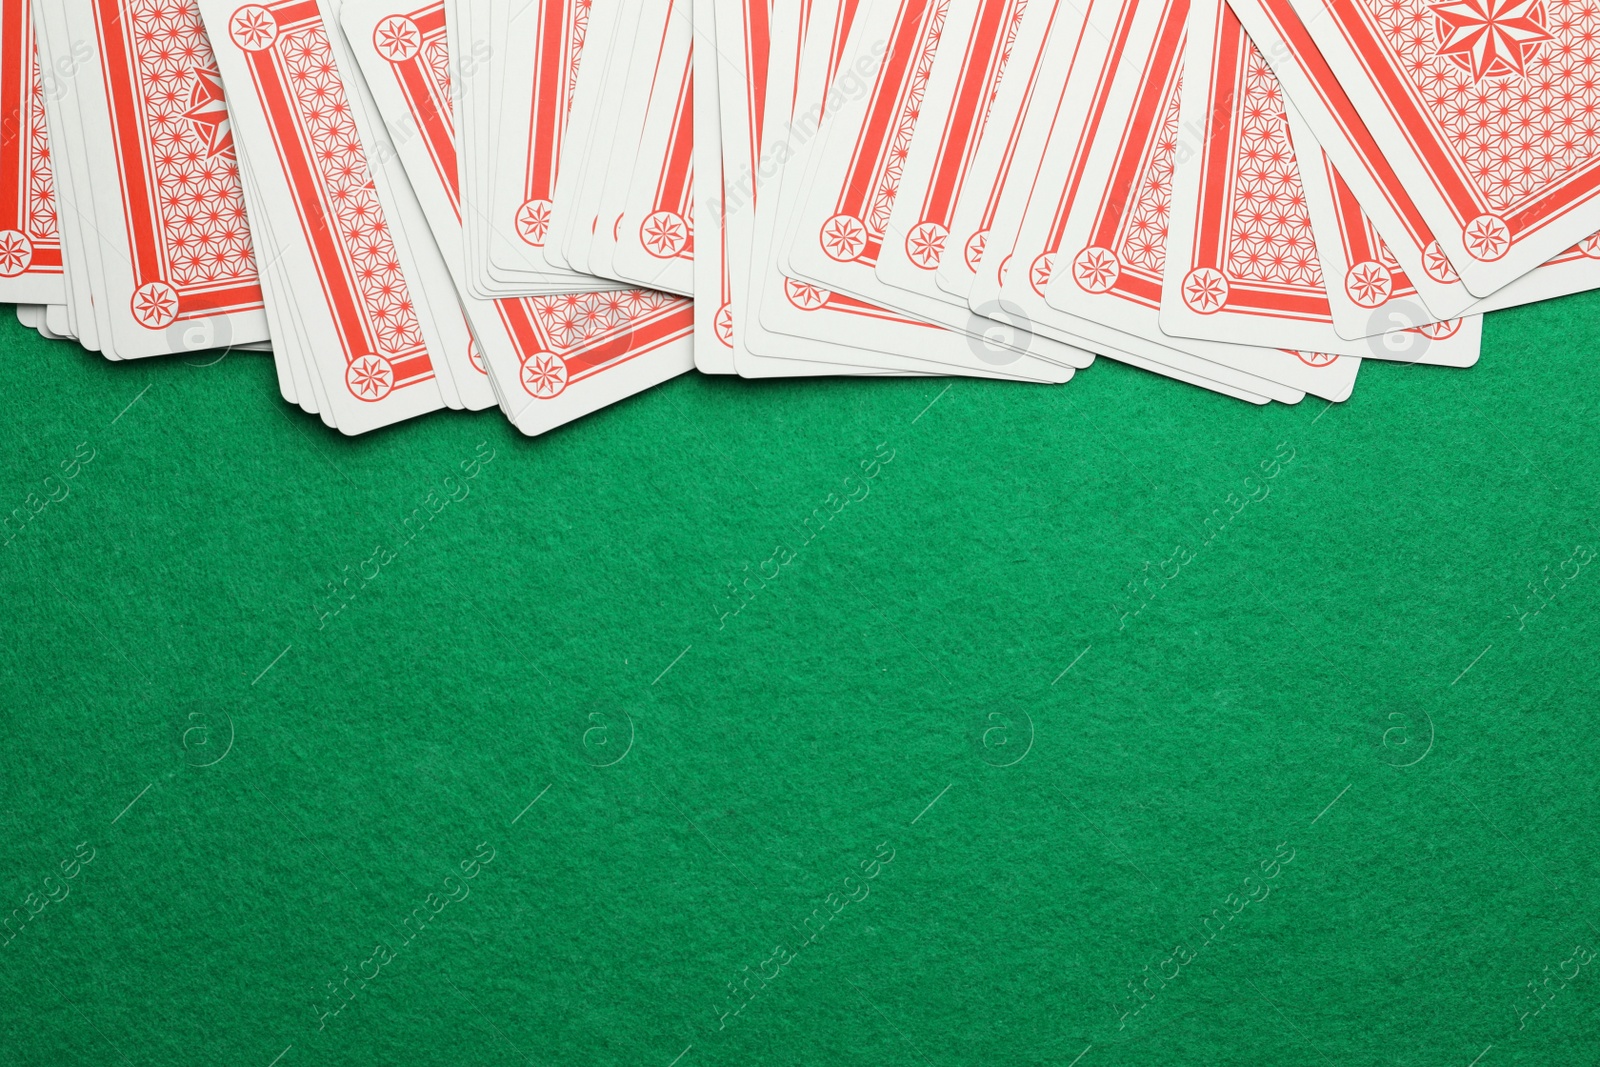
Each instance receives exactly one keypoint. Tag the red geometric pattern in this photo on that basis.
(580, 33)
(1142, 244)
(436, 54)
(1511, 84)
(1488, 38)
(664, 234)
(1012, 27)
(357, 217)
(200, 204)
(881, 203)
(39, 179)
(1268, 230)
(572, 319)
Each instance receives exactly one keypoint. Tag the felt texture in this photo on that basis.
(1115, 723)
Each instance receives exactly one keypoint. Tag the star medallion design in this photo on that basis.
(208, 111)
(1205, 290)
(1490, 38)
(723, 324)
(1368, 284)
(155, 305)
(544, 375)
(1438, 265)
(1040, 270)
(1589, 246)
(664, 234)
(925, 244)
(253, 28)
(16, 252)
(397, 39)
(1096, 269)
(973, 252)
(804, 295)
(844, 238)
(1316, 359)
(1487, 238)
(533, 222)
(369, 378)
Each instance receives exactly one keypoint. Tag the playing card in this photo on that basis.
(1098, 252)
(1369, 293)
(60, 51)
(170, 235)
(599, 175)
(30, 241)
(1241, 259)
(463, 382)
(758, 77)
(1035, 191)
(555, 357)
(965, 88)
(1365, 172)
(655, 234)
(350, 293)
(868, 94)
(537, 91)
(713, 314)
(1473, 102)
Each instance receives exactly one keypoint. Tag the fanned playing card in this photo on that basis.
(1242, 262)
(169, 233)
(350, 294)
(554, 357)
(655, 243)
(1101, 254)
(30, 241)
(869, 93)
(1477, 105)
(1366, 173)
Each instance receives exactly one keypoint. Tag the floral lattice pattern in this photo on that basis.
(41, 182)
(348, 193)
(887, 188)
(1268, 229)
(199, 204)
(1510, 84)
(1142, 243)
(571, 319)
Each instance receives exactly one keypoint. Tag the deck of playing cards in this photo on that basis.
(551, 205)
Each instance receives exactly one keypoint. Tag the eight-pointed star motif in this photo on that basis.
(1487, 238)
(208, 111)
(369, 377)
(1368, 284)
(544, 375)
(397, 39)
(1205, 290)
(16, 252)
(1490, 38)
(533, 221)
(844, 238)
(664, 234)
(1096, 269)
(925, 244)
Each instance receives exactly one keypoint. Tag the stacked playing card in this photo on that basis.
(550, 205)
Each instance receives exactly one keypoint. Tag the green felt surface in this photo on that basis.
(1333, 776)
